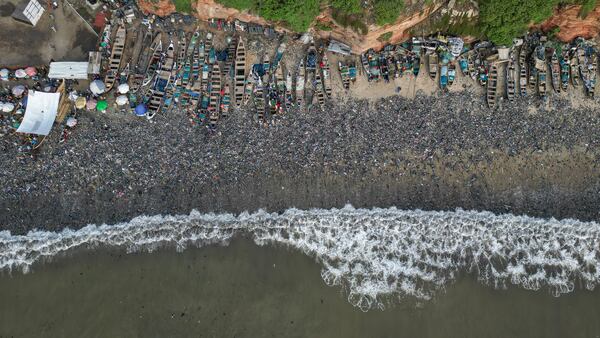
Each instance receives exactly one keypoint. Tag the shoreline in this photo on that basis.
(430, 153)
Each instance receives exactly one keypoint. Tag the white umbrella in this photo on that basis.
(18, 90)
(4, 74)
(8, 107)
(1, 106)
(123, 88)
(97, 87)
(71, 122)
(20, 73)
(121, 100)
(73, 96)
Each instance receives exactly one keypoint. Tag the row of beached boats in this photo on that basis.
(531, 65)
(275, 87)
(190, 74)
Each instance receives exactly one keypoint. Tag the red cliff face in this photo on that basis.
(571, 25)
(158, 7)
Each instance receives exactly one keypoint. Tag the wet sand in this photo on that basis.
(247, 291)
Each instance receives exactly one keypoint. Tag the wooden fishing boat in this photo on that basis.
(555, 71)
(451, 73)
(171, 86)
(116, 54)
(300, 82)
(542, 82)
(225, 100)
(278, 55)
(590, 81)
(574, 68)
(248, 89)
(492, 84)
(416, 66)
(162, 82)
(187, 66)
(582, 64)
(352, 72)
(280, 89)
(182, 51)
(179, 69)
(374, 66)
(155, 61)
(463, 63)
(384, 69)
(344, 74)
(326, 76)
(318, 88)
(259, 102)
(215, 96)
(231, 57)
(523, 71)
(197, 61)
(473, 67)
(142, 62)
(432, 62)
(289, 97)
(533, 74)
(483, 73)
(565, 71)
(443, 77)
(240, 73)
(365, 63)
(511, 78)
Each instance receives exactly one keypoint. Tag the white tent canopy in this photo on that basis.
(68, 70)
(40, 113)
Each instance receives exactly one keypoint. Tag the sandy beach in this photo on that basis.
(437, 152)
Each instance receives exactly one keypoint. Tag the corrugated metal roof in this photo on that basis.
(68, 70)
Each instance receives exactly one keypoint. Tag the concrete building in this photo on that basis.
(29, 12)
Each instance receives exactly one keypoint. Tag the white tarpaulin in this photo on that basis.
(68, 70)
(40, 113)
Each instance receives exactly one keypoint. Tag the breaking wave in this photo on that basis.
(374, 254)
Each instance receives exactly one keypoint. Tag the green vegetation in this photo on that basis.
(387, 11)
(296, 15)
(586, 7)
(353, 21)
(323, 27)
(385, 37)
(347, 6)
(503, 20)
(183, 6)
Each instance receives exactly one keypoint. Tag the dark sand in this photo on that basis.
(429, 153)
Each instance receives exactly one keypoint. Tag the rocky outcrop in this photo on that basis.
(571, 25)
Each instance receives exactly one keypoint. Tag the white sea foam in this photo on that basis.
(373, 253)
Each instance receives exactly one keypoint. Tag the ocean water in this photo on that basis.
(332, 273)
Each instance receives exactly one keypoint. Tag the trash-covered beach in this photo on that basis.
(429, 152)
